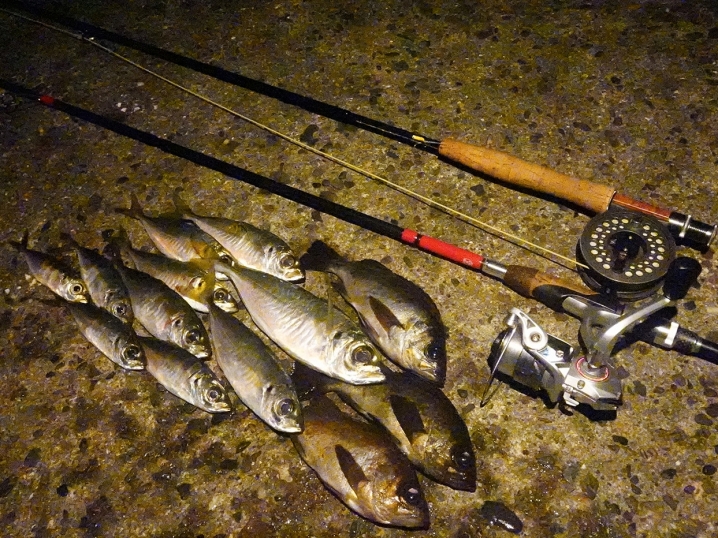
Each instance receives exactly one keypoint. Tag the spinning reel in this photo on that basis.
(536, 359)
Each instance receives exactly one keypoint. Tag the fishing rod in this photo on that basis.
(591, 196)
(590, 380)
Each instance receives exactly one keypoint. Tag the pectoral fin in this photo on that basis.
(386, 317)
(351, 469)
(408, 415)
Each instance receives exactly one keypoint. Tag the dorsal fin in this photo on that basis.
(351, 469)
(386, 317)
(408, 415)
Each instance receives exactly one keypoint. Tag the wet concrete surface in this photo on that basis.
(620, 94)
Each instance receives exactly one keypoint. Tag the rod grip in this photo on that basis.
(592, 196)
(543, 287)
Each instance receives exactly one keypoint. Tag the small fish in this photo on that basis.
(254, 373)
(114, 338)
(52, 273)
(185, 376)
(164, 313)
(193, 280)
(361, 466)
(400, 317)
(103, 282)
(306, 327)
(423, 422)
(250, 246)
(177, 238)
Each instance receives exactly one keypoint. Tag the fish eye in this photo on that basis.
(193, 337)
(214, 394)
(434, 351)
(363, 355)
(287, 261)
(77, 288)
(132, 352)
(119, 310)
(220, 295)
(410, 494)
(285, 407)
(198, 283)
(226, 258)
(463, 459)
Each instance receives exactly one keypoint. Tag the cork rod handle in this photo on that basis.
(502, 166)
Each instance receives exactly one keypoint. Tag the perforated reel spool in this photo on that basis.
(627, 253)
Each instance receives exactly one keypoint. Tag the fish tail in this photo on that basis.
(135, 209)
(22, 244)
(319, 257)
(309, 382)
(117, 244)
(181, 207)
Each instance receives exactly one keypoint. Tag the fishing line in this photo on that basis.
(507, 236)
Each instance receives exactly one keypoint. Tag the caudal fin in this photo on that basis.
(319, 257)
(135, 209)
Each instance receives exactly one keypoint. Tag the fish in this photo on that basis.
(185, 376)
(357, 462)
(103, 282)
(399, 317)
(113, 337)
(250, 246)
(52, 273)
(254, 373)
(420, 418)
(306, 327)
(193, 280)
(177, 238)
(164, 313)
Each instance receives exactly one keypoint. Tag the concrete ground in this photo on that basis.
(622, 94)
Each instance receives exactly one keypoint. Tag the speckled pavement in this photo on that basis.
(623, 94)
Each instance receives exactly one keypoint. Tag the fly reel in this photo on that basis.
(626, 254)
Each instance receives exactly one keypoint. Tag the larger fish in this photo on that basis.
(104, 283)
(52, 273)
(422, 420)
(254, 373)
(250, 246)
(177, 238)
(194, 280)
(398, 315)
(306, 327)
(114, 338)
(164, 313)
(361, 466)
(185, 376)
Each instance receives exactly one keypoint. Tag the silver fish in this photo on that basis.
(361, 466)
(104, 283)
(185, 376)
(306, 327)
(254, 373)
(422, 421)
(164, 313)
(250, 246)
(400, 317)
(177, 238)
(52, 273)
(114, 338)
(193, 280)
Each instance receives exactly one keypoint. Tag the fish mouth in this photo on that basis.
(200, 352)
(431, 371)
(295, 275)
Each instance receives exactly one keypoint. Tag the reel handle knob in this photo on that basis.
(682, 274)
